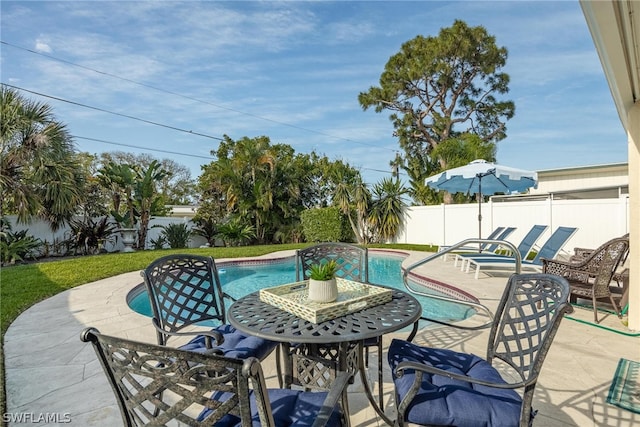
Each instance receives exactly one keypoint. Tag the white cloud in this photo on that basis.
(42, 46)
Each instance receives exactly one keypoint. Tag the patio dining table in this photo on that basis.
(322, 349)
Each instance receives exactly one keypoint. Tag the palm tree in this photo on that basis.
(136, 186)
(119, 180)
(40, 174)
(352, 196)
(146, 195)
(387, 208)
(246, 169)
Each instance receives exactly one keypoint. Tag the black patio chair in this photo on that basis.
(157, 385)
(353, 264)
(436, 386)
(184, 290)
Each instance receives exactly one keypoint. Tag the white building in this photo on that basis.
(584, 182)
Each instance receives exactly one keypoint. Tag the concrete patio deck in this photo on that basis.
(51, 374)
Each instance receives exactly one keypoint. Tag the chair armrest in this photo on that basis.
(419, 368)
(577, 275)
(554, 266)
(336, 392)
(454, 325)
(582, 252)
(208, 334)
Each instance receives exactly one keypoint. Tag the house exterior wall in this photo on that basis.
(582, 178)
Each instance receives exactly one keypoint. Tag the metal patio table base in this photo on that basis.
(315, 366)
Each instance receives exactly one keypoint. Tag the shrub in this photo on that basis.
(16, 246)
(89, 236)
(207, 228)
(157, 244)
(235, 233)
(324, 225)
(177, 235)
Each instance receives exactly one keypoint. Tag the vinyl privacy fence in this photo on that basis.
(597, 220)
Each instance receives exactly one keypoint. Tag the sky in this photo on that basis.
(169, 78)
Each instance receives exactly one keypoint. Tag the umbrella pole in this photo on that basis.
(479, 212)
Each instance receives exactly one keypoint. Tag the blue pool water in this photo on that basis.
(241, 279)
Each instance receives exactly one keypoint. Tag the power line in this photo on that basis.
(142, 120)
(191, 98)
(142, 148)
(114, 113)
(157, 150)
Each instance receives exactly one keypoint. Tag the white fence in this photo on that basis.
(597, 220)
(41, 230)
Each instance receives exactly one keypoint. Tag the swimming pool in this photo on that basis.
(239, 278)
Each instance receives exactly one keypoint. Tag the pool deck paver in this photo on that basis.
(53, 379)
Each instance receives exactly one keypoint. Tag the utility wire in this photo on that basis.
(143, 148)
(191, 98)
(177, 153)
(114, 113)
(142, 120)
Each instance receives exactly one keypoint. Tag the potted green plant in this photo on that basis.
(322, 282)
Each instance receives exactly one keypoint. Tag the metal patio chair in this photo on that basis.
(157, 386)
(435, 386)
(184, 290)
(590, 273)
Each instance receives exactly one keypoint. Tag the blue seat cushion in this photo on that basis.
(235, 344)
(290, 408)
(449, 402)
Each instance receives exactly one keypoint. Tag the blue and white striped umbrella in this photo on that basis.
(484, 178)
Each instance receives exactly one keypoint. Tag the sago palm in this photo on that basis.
(387, 208)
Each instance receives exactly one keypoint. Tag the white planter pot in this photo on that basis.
(323, 290)
(128, 238)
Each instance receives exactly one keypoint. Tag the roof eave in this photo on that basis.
(617, 47)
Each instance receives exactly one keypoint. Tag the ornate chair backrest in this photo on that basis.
(604, 263)
(183, 290)
(582, 254)
(526, 322)
(155, 385)
(353, 262)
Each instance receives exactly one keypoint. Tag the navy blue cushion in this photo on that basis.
(290, 408)
(235, 344)
(444, 401)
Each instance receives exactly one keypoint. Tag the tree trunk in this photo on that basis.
(448, 198)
